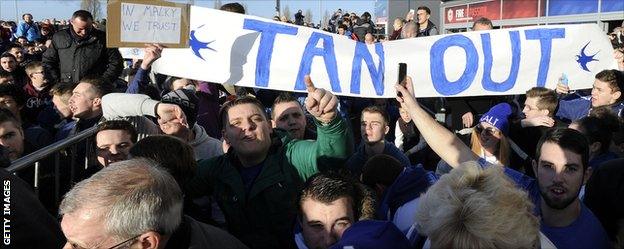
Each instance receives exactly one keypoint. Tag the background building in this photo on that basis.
(457, 16)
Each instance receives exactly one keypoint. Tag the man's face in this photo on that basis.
(38, 78)
(289, 116)
(602, 94)
(84, 228)
(480, 26)
(28, 18)
(531, 110)
(322, 225)
(8, 64)
(9, 103)
(12, 138)
(560, 175)
(83, 101)
(247, 130)
(81, 27)
(112, 146)
(22, 41)
(18, 53)
(422, 16)
(62, 107)
(373, 127)
(341, 31)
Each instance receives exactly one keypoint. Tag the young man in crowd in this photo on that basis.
(425, 26)
(329, 204)
(8, 63)
(148, 200)
(374, 126)
(113, 141)
(257, 181)
(12, 99)
(85, 105)
(287, 114)
(606, 91)
(539, 116)
(560, 166)
(18, 51)
(37, 92)
(123, 105)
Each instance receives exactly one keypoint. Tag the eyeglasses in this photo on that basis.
(123, 242)
(490, 131)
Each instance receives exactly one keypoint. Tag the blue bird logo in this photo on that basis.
(197, 45)
(583, 59)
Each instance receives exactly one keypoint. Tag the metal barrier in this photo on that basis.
(33, 159)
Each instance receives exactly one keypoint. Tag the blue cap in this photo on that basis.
(498, 116)
(372, 234)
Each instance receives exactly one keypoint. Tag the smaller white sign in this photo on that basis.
(132, 53)
(150, 23)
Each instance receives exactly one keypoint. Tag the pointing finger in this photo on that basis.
(309, 85)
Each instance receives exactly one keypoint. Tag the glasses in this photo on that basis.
(123, 242)
(490, 131)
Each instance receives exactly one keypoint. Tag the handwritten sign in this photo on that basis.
(254, 52)
(139, 22)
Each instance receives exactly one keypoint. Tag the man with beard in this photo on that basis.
(560, 166)
(374, 126)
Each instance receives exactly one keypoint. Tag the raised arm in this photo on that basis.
(152, 53)
(334, 141)
(448, 146)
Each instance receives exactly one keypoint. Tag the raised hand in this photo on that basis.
(320, 103)
(170, 115)
(152, 53)
(406, 99)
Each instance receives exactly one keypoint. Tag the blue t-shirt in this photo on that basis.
(585, 232)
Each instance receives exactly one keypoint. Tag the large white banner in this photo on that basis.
(250, 51)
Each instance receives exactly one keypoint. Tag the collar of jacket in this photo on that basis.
(270, 174)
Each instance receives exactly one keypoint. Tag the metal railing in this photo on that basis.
(34, 159)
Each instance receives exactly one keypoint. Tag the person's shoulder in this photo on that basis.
(207, 236)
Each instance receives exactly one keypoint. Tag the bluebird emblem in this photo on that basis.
(583, 59)
(197, 45)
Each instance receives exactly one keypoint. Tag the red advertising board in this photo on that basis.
(520, 9)
(469, 12)
(489, 9)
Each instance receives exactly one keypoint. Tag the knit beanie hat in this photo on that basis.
(187, 100)
(498, 116)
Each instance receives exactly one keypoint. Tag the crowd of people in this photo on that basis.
(181, 163)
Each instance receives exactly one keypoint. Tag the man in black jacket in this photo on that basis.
(80, 50)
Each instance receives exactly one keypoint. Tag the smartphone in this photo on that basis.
(564, 79)
(402, 74)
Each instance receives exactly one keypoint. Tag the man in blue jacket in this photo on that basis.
(28, 28)
(606, 91)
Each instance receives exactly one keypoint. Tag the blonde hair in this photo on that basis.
(473, 207)
(503, 153)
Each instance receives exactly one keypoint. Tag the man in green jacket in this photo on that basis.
(257, 181)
